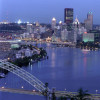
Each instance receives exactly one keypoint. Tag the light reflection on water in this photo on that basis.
(69, 68)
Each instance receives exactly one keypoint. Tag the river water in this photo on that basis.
(66, 69)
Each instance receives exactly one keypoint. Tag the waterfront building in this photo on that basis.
(68, 17)
(89, 21)
(88, 37)
(28, 52)
(42, 29)
(64, 35)
(96, 35)
(29, 28)
(81, 31)
(76, 23)
(53, 23)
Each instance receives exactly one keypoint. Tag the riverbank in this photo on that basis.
(34, 58)
(24, 61)
(91, 46)
(66, 69)
(88, 46)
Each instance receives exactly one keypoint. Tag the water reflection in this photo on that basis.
(85, 65)
(53, 58)
(69, 68)
(39, 64)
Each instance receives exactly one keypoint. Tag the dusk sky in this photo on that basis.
(44, 10)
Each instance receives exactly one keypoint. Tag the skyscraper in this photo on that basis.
(68, 17)
(76, 23)
(89, 21)
(53, 23)
(29, 28)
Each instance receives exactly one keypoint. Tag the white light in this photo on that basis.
(60, 22)
(3, 87)
(33, 90)
(19, 21)
(22, 87)
(19, 40)
(28, 22)
(54, 19)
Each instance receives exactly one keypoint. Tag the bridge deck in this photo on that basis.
(20, 91)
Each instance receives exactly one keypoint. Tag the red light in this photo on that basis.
(85, 32)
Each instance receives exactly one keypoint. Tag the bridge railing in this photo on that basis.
(32, 80)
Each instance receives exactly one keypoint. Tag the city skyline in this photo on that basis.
(44, 11)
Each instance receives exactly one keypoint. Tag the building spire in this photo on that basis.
(76, 16)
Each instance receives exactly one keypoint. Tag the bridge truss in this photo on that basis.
(32, 80)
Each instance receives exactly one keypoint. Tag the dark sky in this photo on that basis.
(44, 10)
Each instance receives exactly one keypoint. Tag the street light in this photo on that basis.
(96, 91)
(33, 90)
(3, 87)
(22, 87)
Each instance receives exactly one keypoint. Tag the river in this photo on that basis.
(66, 69)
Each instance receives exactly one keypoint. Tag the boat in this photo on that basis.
(85, 50)
(2, 75)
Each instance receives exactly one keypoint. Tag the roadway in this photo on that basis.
(20, 91)
(57, 93)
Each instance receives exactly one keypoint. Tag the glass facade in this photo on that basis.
(68, 16)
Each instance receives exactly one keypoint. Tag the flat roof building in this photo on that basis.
(68, 17)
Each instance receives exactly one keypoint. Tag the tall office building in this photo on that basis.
(76, 23)
(68, 15)
(53, 23)
(89, 21)
(64, 35)
(29, 28)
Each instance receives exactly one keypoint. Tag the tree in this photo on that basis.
(53, 96)
(62, 98)
(82, 94)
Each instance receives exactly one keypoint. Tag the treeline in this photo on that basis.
(88, 44)
(3, 71)
(26, 60)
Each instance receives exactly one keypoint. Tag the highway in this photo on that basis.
(20, 91)
(57, 93)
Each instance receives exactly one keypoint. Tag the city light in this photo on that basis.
(85, 32)
(3, 87)
(60, 22)
(53, 19)
(22, 87)
(19, 21)
(45, 54)
(33, 90)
